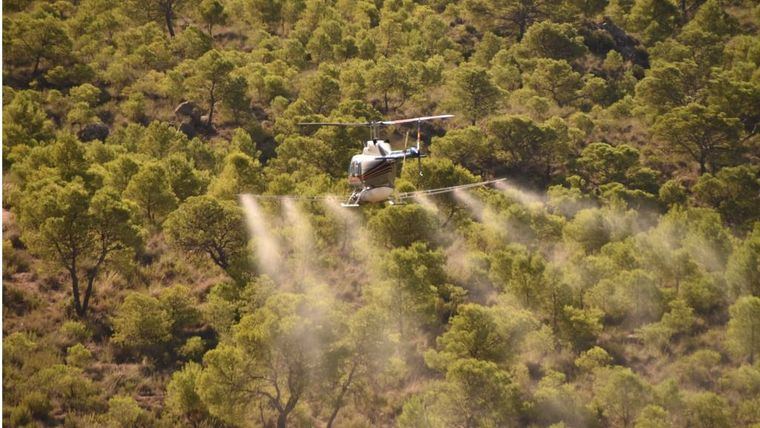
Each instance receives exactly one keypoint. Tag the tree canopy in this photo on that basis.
(175, 252)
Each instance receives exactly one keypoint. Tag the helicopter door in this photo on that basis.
(355, 173)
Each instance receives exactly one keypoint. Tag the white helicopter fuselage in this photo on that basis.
(373, 172)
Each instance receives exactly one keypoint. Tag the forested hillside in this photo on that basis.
(612, 280)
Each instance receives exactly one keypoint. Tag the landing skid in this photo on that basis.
(353, 200)
(356, 197)
(389, 201)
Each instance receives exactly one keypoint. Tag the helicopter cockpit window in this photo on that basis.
(355, 169)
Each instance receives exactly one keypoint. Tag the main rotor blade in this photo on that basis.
(416, 119)
(378, 123)
(334, 124)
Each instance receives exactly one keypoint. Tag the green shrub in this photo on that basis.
(13, 261)
(655, 336)
(38, 404)
(193, 348)
(181, 394)
(67, 386)
(124, 412)
(78, 356)
(75, 331)
(141, 324)
(17, 347)
(18, 300)
(590, 229)
(593, 358)
(707, 410)
(20, 415)
(180, 305)
(672, 193)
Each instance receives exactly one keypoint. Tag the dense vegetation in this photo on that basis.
(613, 281)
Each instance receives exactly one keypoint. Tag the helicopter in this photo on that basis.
(372, 173)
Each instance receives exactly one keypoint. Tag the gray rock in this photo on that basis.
(93, 131)
(259, 113)
(629, 47)
(604, 36)
(189, 109)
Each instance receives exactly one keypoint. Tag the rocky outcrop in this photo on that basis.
(259, 113)
(188, 110)
(93, 131)
(190, 118)
(602, 37)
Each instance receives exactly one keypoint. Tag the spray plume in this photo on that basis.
(462, 264)
(268, 254)
(354, 233)
(428, 204)
(481, 211)
(303, 248)
(520, 195)
(443, 234)
(302, 242)
(474, 206)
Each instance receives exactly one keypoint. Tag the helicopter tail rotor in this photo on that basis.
(419, 157)
(406, 141)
